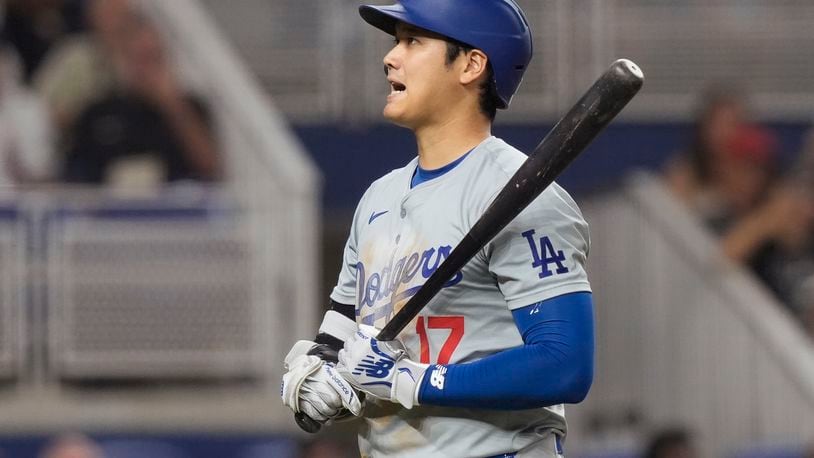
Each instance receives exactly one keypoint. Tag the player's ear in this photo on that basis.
(476, 62)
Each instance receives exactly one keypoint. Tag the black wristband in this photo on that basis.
(336, 344)
(348, 310)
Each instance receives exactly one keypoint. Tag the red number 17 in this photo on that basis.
(455, 324)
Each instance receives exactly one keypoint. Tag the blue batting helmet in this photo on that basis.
(496, 27)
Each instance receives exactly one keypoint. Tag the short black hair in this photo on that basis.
(489, 99)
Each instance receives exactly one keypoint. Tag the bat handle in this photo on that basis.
(305, 422)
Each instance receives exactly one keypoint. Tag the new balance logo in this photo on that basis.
(375, 367)
(338, 381)
(437, 377)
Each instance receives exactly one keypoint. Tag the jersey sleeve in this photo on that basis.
(543, 252)
(345, 290)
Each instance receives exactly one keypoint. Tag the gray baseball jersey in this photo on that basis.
(399, 237)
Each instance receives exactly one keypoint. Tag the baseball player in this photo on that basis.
(486, 367)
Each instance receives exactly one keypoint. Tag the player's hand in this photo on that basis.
(313, 386)
(380, 369)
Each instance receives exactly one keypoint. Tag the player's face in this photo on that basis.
(421, 84)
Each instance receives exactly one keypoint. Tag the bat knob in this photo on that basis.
(325, 353)
(307, 424)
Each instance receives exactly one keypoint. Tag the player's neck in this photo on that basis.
(441, 144)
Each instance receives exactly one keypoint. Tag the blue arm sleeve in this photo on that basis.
(554, 366)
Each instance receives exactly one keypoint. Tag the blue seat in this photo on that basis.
(770, 450)
(282, 448)
(121, 448)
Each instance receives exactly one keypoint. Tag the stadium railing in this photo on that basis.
(208, 286)
(152, 289)
(685, 337)
(149, 312)
(14, 288)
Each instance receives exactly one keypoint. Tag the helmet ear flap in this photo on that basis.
(498, 27)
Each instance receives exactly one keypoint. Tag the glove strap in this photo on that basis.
(337, 325)
(408, 382)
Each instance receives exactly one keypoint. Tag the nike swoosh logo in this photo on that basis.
(408, 372)
(375, 215)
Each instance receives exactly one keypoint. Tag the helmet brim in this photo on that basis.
(384, 18)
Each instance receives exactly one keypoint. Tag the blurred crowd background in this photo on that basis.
(177, 179)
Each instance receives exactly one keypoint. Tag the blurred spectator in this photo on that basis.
(34, 26)
(793, 260)
(81, 69)
(691, 175)
(26, 135)
(731, 189)
(146, 129)
(749, 163)
(731, 180)
(72, 446)
(671, 443)
(769, 225)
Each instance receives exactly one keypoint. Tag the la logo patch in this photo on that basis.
(543, 254)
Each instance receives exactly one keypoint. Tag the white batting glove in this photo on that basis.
(380, 369)
(314, 387)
